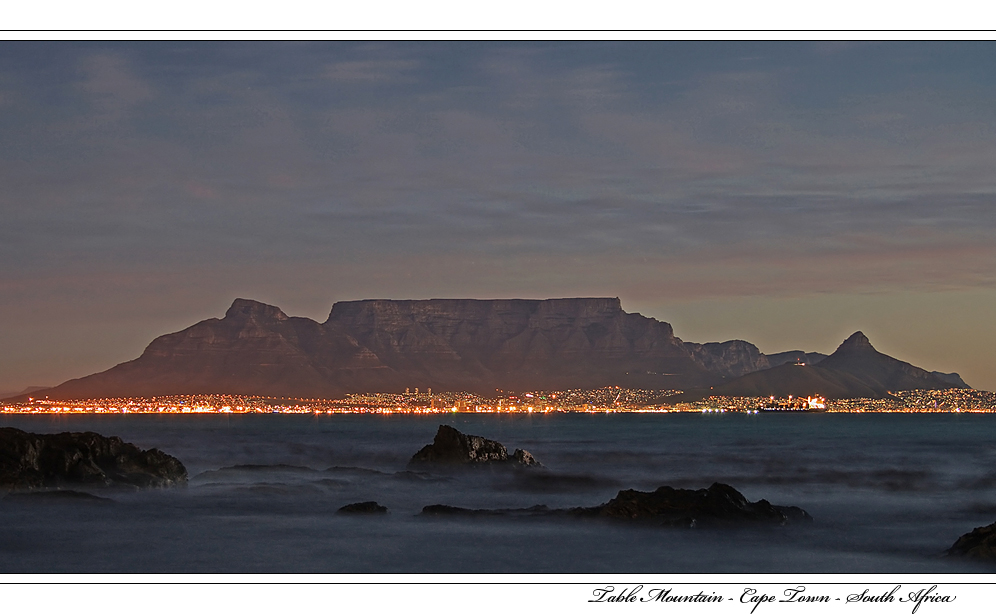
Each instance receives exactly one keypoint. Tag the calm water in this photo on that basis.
(889, 493)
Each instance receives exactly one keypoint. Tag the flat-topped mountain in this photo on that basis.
(445, 344)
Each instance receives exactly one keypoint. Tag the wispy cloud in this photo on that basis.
(371, 71)
(109, 82)
(491, 169)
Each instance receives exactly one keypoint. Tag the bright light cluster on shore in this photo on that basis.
(601, 400)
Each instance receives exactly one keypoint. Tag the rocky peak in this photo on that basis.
(247, 309)
(857, 341)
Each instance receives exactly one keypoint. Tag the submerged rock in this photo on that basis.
(521, 457)
(718, 505)
(68, 496)
(32, 461)
(365, 507)
(451, 447)
(450, 510)
(979, 544)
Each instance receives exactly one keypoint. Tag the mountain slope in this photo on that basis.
(254, 349)
(857, 357)
(855, 369)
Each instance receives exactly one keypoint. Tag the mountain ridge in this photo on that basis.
(854, 370)
(475, 345)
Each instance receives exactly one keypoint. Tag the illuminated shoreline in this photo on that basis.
(603, 400)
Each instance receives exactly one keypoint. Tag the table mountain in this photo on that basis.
(390, 345)
(446, 344)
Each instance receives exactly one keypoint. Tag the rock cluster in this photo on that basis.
(719, 505)
(451, 447)
(450, 510)
(365, 507)
(31, 461)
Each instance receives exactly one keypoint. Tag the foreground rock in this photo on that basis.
(979, 544)
(451, 447)
(718, 505)
(365, 507)
(32, 461)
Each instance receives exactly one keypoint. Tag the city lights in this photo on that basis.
(602, 400)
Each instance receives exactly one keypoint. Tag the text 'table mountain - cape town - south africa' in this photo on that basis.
(481, 346)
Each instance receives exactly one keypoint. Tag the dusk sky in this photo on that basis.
(788, 194)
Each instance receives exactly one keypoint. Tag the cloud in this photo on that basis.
(493, 169)
(370, 72)
(109, 82)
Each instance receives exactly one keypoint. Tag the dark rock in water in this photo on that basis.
(354, 471)
(449, 510)
(521, 457)
(451, 447)
(366, 507)
(719, 504)
(794, 514)
(979, 544)
(30, 461)
(68, 496)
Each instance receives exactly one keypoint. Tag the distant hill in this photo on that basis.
(795, 357)
(473, 345)
(25, 392)
(855, 369)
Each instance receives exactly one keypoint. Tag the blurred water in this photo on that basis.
(889, 493)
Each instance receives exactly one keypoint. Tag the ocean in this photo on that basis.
(889, 493)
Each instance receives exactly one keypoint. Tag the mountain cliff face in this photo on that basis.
(730, 358)
(453, 344)
(388, 345)
(518, 344)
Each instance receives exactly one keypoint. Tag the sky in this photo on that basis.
(787, 194)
